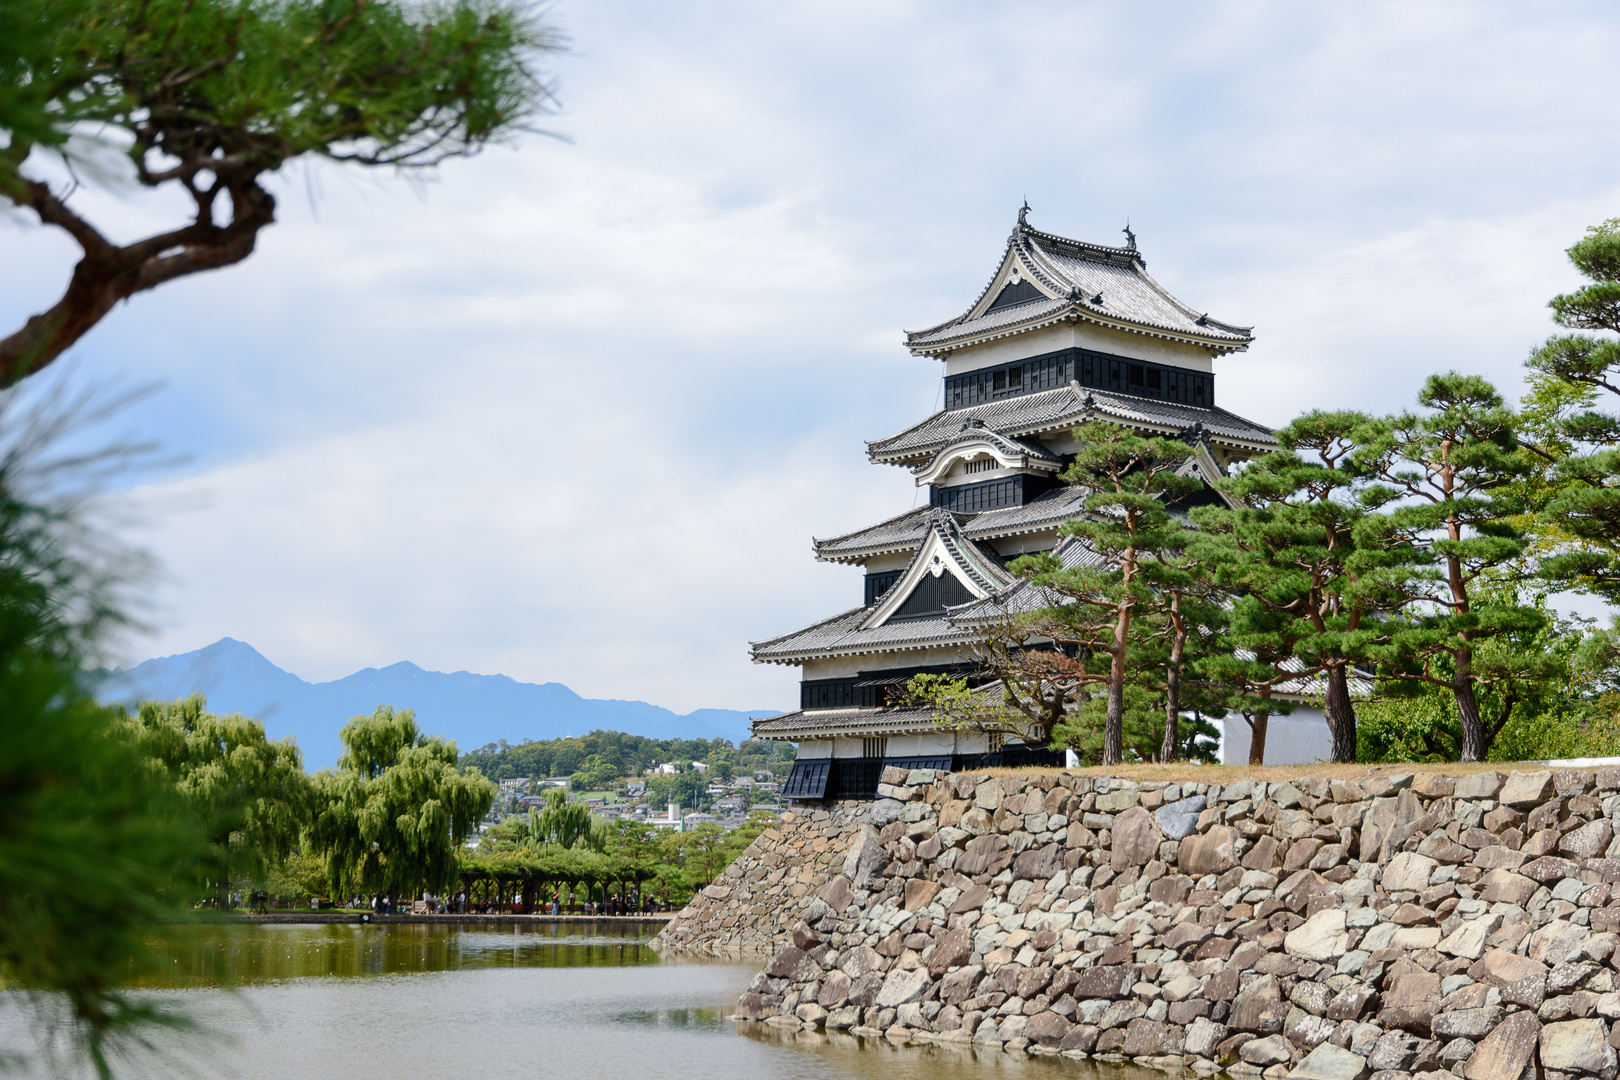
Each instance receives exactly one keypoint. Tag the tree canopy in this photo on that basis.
(249, 792)
(395, 811)
(207, 97)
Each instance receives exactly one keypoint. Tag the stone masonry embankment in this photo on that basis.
(771, 885)
(1311, 929)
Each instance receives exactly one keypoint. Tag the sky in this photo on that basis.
(571, 410)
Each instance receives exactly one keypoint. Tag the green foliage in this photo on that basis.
(250, 793)
(597, 773)
(686, 788)
(1131, 479)
(396, 810)
(204, 97)
(1444, 477)
(565, 824)
(628, 755)
(263, 81)
(1568, 372)
(96, 850)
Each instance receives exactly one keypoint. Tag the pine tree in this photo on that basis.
(1290, 546)
(1128, 526)
(1572, 371)
(1444, 478)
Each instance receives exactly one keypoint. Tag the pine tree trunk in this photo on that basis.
(1114, 733)
(1341, 713)
(1257, 736)
(1172, 713)
(1473, 732)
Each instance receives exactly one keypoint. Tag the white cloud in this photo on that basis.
(573, 412)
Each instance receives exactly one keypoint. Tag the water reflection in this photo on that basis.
(572, 1001)
(840, 1054)
(257, 955)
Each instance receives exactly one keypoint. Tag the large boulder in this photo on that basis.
(1577, 1046)
(1412, 1001)
(1214, 852)
(1499, 967)
(1329, 1062)
(1136, 839)
(1503, 1054)
(1043, 863)
(1203, 1035)
(1526, 790)
(1178, 819)
(861, 960)
(952, 950)
(1407, 872)
(1321, 937)
(1258, 1007)
(902, 987)
(864, 858)
(1559, 942)
(1383, 818)
(1104, 982)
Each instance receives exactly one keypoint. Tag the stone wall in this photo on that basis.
(752, 906)
(1314, 929)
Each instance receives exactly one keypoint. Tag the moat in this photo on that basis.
(572, 1000)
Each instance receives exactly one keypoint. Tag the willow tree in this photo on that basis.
(394, 813)
(248, 791)
(207, 98)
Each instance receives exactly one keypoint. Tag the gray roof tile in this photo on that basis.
(1056, 410)
(1088, 280)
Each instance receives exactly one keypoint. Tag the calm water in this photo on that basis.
(569, 1001)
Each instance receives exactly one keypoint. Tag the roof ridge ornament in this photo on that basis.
(1130, 237)
(1023, 213)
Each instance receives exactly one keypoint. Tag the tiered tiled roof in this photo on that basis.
(905, 531)
(1025, 454)
(1080, 282)
(873, 629)
(1058, 410)
(823, 722)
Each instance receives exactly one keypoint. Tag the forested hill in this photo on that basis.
(471, 709)
(614, 754)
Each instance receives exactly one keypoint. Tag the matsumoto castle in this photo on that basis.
(1065, 332)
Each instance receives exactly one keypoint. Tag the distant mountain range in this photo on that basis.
(471, 709)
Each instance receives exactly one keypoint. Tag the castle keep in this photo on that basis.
(1064, 332)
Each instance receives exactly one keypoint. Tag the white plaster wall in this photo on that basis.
(813, 749)
(1297, 739)
(932, 743)
(843, 667)
(1083, 336)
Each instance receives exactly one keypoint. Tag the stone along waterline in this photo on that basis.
(1314, 929)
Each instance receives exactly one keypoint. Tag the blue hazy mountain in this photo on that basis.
(471, 709)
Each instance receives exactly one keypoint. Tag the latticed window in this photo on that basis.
(873, 747)
(997, 739)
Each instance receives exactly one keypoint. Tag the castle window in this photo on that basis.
(1000, 381)
(1154, 377)
(1136, 374)
(1015, 378)
(873, 747)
